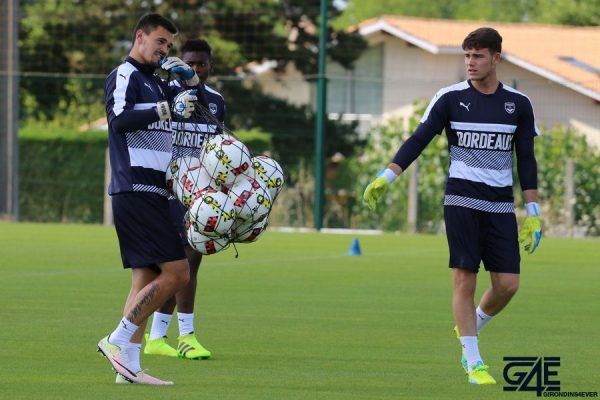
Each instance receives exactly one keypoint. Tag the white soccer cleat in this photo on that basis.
(117, 359)
(142, 378)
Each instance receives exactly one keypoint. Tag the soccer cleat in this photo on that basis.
(117, 360)
(463, 359)
(159, 347)
(142, 378)
(121, 380)
(479, 375)
(189, 348)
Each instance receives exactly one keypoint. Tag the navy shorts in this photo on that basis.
(145, 230)
(177, 211)
(475, 236)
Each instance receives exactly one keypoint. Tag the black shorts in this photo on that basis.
(145, 230)
(475, 236)
(177, 211)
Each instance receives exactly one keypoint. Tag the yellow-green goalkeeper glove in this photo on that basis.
(531, 232)
(376, 189)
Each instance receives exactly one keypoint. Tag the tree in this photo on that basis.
(90, 37)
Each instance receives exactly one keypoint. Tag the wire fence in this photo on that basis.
(269, 90)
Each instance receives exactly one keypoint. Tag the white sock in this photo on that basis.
(186, 323)
(160, 325)
(471, 349)
(122, 335)
(133, 356)
(482, 318)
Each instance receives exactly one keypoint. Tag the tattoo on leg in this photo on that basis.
(147, 298)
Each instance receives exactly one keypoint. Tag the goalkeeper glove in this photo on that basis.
(181, 69)
(376, 189)
(531, 232)
(183, 103)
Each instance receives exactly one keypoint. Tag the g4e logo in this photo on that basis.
(531, 374)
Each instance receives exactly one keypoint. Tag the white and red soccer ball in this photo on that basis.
(225, 158)
(212, 214)
(228, 192)
(269, 173)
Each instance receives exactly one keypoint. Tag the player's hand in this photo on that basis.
(374, 191)
(531, 233)
(181, 69)
(183, 103)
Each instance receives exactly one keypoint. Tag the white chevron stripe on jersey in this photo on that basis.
(143, 106)
(486, 159)
(157, 160)
(149, 188)
(481, 127)
(150, 140)
(496, 178)
(193, 127)
(180, 151)
(478, 204)
(122, 82)
(458, 86)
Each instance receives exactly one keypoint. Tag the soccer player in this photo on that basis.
(484, 120)
(138, 113)
(187, 139)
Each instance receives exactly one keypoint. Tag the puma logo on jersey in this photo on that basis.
(465, 105)
(150, 87)
(124, 77)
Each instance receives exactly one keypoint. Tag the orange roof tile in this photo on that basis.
(534, 47)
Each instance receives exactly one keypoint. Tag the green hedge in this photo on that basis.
(61, 172)
(61, 179)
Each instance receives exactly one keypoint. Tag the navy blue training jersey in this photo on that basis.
(481, 129)
(189, 134)
(139, 143)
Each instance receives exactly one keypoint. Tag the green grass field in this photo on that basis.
(294, 317)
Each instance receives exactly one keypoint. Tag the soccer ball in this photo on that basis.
(252, 202)
(212, 214)
(204, 244)
(199, 182)
(225, 158)
(269, 173)
(177, 168)
(247, 231)
(193, 184)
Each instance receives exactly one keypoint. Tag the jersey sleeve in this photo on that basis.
(526, 124)
(435, 115)
(526, 131)
(119, 101)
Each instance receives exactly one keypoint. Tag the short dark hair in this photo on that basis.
(483, 38)
(197, 45)
(149, 23)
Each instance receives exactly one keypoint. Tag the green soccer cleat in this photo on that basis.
(479, 375)
(189, 348)
(463, 359)
(159, 347)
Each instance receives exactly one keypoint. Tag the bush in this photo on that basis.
(61, 174)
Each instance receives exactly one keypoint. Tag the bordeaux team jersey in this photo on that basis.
(139, 143)
(189, 134)
(481, 129)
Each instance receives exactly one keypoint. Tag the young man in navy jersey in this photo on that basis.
(187, 138)
(484, 120)
(138, 108)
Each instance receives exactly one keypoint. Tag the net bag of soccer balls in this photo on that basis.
(228, 192)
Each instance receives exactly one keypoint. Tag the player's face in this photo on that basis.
(153, 46)
(199, 61)
(480, 63)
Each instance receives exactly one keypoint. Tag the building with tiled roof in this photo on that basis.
(410, 58)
